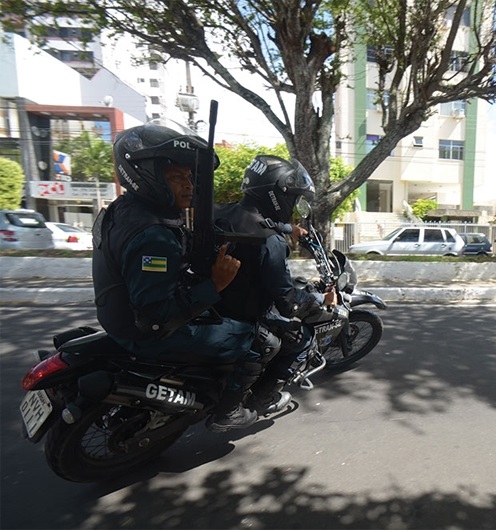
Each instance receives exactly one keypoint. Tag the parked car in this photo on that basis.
(24, 229)
(424, 240)
(476, 245)
(70, 237)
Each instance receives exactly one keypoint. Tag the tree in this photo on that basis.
(91, 157)
(11, 184)
(298, 49)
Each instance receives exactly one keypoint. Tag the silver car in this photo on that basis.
(20, 229)
(423, 240)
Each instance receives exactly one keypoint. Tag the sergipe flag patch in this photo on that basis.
(153, 264)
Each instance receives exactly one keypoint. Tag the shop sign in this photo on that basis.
(52, 189)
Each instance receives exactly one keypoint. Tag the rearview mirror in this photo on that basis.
(303, 208)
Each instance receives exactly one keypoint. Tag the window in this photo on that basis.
(458, 61)
(450, 238)
(154, 83)
(433, 236)
(410, 235)
(374, 54)
(155, 116)
(371, 141)
(153, 66)
(373, 99)
(453, 108)
(450, 13)
(141, 79)
(451, 149)
(67, 56)
(155, 100)
(418, 141)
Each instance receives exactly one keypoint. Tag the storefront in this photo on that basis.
(75, 203)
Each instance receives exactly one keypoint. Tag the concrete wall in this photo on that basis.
(402, 272)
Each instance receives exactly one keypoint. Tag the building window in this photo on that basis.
(153, 66)
(374, 101)
(154, 83)
(458, 61)
(371, 141)
(453, 108)
(155, 116)
(74, 33)
(155, 100)
(451, 149)
(141, 79)
(375, 54)
(68, 56)
(450, 13)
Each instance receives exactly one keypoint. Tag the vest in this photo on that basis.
(244, 298)
(114, 228)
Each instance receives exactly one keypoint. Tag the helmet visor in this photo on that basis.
(301, 183)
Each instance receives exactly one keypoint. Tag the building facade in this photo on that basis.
(444, 160)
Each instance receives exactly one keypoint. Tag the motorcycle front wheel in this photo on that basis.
(365, 332)
(107, 442)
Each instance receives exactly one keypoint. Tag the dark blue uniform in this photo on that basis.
(145, 298)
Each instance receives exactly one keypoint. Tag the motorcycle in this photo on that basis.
(102, 411)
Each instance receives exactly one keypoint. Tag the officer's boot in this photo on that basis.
(231, 414)
(267, 396)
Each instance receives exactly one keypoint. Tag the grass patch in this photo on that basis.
(55, 253)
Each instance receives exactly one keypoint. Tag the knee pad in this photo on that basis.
(266, 344)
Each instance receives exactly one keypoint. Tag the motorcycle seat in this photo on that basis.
(99, 343)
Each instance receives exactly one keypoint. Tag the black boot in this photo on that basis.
(267, 397)
(231, 414)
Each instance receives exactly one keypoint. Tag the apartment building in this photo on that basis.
(444, 160)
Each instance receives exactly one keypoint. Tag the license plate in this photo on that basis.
(35, 409)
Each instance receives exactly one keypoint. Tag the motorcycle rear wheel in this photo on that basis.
(97, 446)
(365, 332)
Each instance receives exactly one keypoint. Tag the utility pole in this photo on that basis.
(187, 101)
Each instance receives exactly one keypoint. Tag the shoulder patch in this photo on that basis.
(153, 264)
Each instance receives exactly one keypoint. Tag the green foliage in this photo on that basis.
(339, 171)
(233, 162)
(11, 184)
(421, 206)
(91, 157)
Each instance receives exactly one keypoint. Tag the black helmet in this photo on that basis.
(141, 154)
(276, 185)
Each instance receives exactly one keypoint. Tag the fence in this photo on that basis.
(343, 235)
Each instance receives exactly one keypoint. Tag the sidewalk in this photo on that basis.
(67, 281)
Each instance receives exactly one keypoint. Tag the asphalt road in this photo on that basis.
(405, 440)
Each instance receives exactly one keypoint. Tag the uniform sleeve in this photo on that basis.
(276, 279)
(152, 269)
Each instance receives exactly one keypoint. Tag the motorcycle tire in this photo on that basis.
(365, 332)
(95, 448)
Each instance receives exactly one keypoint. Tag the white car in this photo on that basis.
(70, 237)
(20, 229)
(423, 240)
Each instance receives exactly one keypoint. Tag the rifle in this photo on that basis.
(207, 238)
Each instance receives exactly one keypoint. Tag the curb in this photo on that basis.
(475, 286)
